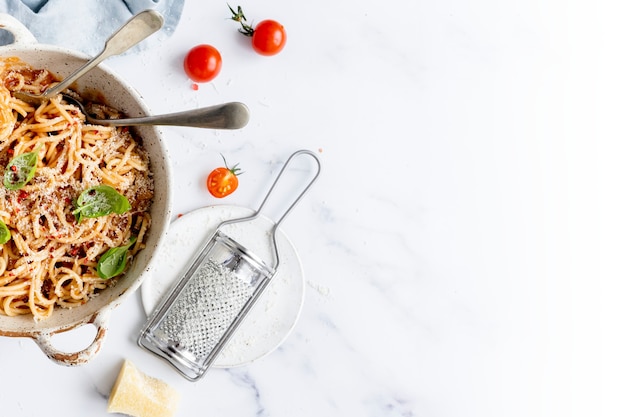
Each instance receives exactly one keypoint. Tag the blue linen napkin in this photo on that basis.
(85, 25)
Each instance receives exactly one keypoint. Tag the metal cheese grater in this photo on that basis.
(194, 321)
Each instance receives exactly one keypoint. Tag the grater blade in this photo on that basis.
(198, 318)
(217, 296)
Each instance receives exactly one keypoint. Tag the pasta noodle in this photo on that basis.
(51, 259)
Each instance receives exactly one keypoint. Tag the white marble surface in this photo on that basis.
(463, 248)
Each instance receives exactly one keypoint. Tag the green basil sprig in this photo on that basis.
(21, 169)
(5, 234)
(113, 261)
(98, 201)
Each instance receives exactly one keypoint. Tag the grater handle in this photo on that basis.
(299, 196)
(302, 152)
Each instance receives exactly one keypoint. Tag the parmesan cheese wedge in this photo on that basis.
(140, 395)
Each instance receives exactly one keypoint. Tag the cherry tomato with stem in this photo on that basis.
(203, 63)
(268, 37)
(223, 181)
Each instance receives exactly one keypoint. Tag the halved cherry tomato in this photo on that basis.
(203, 63)
(223, 181)
(268, 37)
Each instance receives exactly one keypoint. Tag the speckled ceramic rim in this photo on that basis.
(117, 93)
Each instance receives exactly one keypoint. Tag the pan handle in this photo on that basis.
(43, 340)
(20, 33)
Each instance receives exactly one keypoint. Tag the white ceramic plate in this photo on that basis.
(273, 316)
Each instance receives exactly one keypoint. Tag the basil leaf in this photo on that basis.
(113, 261)
(98, 201)
(5, 234)
(21, 169)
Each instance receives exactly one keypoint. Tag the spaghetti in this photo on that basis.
(51, 259)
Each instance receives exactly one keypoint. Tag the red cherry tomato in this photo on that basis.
(203, 63)
(269, 37)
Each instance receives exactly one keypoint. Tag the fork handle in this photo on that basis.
(138, 28)
(233, 115)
